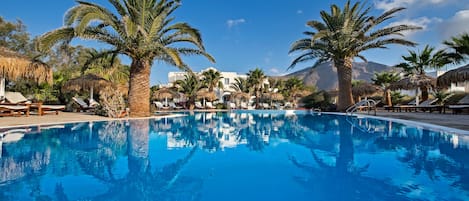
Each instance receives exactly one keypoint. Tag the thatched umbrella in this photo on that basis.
(205, 94)
(364, 89)
(14, 66)
(88, 81)
(165, 93)
(414, 82)
(460, 74)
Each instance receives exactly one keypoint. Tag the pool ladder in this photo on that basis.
(369, 104)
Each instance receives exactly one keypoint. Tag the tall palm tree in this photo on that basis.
(417, 62)
(256, 79)
(240, 85)
(343, 35)
(212, 79)
(143, 30)
(190, 85)
(384, 79)
(294, 88)
(460, 45)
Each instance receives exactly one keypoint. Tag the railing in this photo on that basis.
(368, 104)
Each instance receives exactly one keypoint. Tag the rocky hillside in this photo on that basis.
(324, 76)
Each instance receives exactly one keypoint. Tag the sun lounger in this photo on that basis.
(173, 106)
(160, 106)
(83, 105)
(44, 109)
(461, 105)
(14, 110)
(209, 105)
(244, 105)
(16, 98)
(198, 105)
(232, 105)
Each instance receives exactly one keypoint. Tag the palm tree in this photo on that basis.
(343, 35)
(143, 30)
(294, 88)
(190, 85)
(256, 79)
(417, 62)
(240, 85)
(384, 79)
(212, 79)
(460, 45)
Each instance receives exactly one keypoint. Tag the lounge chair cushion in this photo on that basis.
(15, 97)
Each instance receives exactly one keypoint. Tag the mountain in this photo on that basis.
(324, 76)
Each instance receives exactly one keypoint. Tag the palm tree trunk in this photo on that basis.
(139, 88)
(424, 91)
(137, 147)
(344, 75)
(387, 97)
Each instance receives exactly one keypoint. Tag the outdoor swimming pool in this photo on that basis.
(235, 156)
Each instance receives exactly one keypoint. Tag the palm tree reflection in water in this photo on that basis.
(118, 156)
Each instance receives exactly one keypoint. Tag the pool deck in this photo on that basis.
(460, 121)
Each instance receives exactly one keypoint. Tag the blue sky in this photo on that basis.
(245, 34)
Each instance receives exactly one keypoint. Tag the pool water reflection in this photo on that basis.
(235, 156)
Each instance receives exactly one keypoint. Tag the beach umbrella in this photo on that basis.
(364, 89)
(14, 66)
(165, 93)
(88, 81)
(460, 74)
(206, 95)
(414, 82)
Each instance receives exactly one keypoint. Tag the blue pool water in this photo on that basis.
(234, 156)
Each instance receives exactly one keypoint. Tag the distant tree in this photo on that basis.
(384, 80)
(294, 89)
(255, 80)
(417, 62)
(240, 85)
(343, 34)
(13, 35)
(212, 79)
(190, 85)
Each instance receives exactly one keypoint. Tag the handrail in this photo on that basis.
(368, 103)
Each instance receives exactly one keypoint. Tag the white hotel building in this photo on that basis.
(228, 78)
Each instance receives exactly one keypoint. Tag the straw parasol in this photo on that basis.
(241, 95)
(273, 96)
(413, 82)
(460, 74)
(205, 94)
(364, 89)
(14, 66)
(88, 81)
(164, 94)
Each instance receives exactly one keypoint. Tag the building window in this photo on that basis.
(227, 81)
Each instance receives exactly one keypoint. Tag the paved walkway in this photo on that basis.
(459, 121)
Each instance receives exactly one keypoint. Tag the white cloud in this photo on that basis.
(299, 12)
(423, 22)
(235, 22)
(456, 24)
(389, 4)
